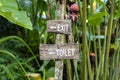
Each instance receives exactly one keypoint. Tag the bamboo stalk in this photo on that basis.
(84, 41)
(99, 70)
(80, 9)
(99, 41)
(69, 70)
(109, 30)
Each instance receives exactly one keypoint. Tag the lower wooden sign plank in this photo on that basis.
(57, 51)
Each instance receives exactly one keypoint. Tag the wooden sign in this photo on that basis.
(59, 26)
(55, 51)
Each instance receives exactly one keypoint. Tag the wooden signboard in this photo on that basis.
(55, 51)
(59, 26)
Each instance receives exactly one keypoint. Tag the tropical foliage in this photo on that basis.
(23, 28)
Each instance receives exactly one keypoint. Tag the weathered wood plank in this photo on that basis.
(59, 51)
(59, 26)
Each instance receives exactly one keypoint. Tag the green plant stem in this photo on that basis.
(99, 41)
(108, 41)
(69, 65)
(18, 38)
(76, 73)
(117, 76)
(69, 72)
(84, 77)
(80, 9)
(99, 70)
(86, 58)
(44, 72)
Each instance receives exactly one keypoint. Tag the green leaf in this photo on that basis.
(50, 72)
(114, 46)
(9, 10)
(117, 15)
(101, 3)
(43, 66)
(96, 18)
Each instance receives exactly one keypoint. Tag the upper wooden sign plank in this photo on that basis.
(59, 26)
(56, 51)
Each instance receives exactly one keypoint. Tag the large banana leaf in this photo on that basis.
(9, 10)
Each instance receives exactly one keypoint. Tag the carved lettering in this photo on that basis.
(59, 26)
(63, 28)
(63, 51)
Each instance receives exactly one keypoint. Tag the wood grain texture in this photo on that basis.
(59, 40)
(59, 51)
(59, 26)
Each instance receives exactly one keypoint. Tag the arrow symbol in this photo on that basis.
(52, 27)
(51, 52)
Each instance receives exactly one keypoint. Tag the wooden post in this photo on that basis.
(59, 40)
(59, 51)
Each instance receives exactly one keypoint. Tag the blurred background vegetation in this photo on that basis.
(23, 28)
